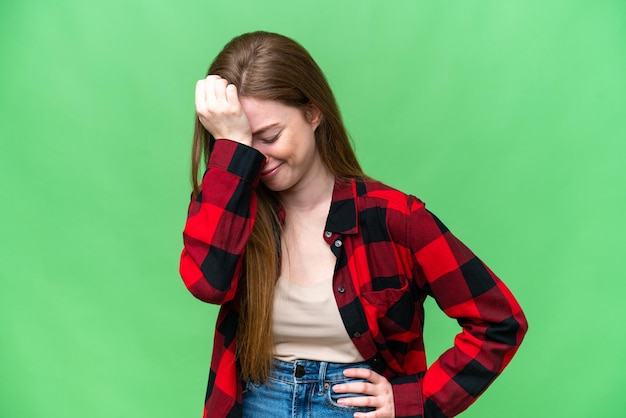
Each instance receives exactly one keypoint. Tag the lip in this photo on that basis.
(271, 171)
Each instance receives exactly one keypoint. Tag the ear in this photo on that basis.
(313, 115)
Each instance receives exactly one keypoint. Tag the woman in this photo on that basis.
(321, 272)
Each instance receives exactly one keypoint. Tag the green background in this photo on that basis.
(506, 117)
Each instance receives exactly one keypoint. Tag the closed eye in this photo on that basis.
(270, 140)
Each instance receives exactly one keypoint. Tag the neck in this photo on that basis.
(315, 192)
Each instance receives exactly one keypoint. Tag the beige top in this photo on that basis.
(307, 325)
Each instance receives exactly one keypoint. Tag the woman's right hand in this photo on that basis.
(219, 110)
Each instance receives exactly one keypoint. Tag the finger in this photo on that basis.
(374, 414)
(355, 387)
(382, 412)
(363, 373)
(382, 408)
(360, 401)
(200, 96)
(231, 94)
(209, 88)
(219, 88)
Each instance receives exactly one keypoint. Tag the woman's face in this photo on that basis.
(287, 139)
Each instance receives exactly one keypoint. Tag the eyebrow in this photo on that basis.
(265, 128)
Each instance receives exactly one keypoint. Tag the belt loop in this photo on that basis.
(298, 370)
(321, 377)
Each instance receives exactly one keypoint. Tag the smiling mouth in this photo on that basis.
(271, 171)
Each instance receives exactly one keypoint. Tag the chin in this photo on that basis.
(273, 186)
(277, 187)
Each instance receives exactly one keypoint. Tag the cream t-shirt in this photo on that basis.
(307, 325)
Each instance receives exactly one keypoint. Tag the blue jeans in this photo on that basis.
(302, 389)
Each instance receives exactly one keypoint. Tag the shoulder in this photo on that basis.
(407, 222)
(373, 193)
(386, 211)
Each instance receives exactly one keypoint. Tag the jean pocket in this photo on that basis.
(332, 397)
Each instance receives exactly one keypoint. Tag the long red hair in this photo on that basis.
(270, 66)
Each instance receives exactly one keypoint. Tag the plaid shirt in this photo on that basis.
(391, 253)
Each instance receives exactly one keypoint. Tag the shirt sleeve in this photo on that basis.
(493, 324)
(219, 222)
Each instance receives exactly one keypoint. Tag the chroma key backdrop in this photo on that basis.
(508, 117)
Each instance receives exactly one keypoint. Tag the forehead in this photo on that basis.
(262, 113)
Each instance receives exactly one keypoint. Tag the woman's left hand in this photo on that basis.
(378, 389)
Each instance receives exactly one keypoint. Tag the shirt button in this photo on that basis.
(338, 243)
(356, 334)
(341, 289)
(328, 234)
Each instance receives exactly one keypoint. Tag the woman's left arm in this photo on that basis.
(493, 324)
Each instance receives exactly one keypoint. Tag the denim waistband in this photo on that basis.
(308, 371)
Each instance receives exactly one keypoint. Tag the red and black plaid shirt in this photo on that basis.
(391, 253)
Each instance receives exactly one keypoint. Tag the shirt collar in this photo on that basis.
(343, 214)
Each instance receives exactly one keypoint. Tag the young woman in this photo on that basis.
(321, 272)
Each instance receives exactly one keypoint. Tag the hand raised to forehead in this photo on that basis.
(219, 110)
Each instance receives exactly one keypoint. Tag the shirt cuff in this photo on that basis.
(238, 159)
(407, 396)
